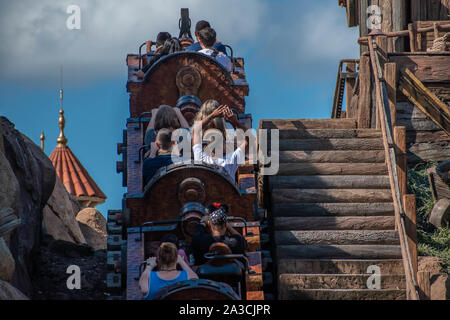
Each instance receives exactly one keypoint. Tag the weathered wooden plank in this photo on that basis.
(339, 252)
(409, 203)
(441, 89)
(398, 23)
(390, 75)
(418, 125)
(289, 124)
(426, 67)
(331, 195)
(334, 223)
(426, 136)
(331, 144)
(332, 209)
(329, 182)
(338, 281)
(429, 151)
(338, 266)
(400, 145)
(425, 100)
(341, 294)
(363, 29)
(332, 169)
(338, 156)
(336, 237)
(330, 134)
(365, 88)
(439, 189)
(350, 86)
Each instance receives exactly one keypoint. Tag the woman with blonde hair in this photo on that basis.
(216, 123)
(162, 271)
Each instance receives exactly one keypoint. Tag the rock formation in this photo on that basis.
(60, 216)
(34, 178)
(93, 226)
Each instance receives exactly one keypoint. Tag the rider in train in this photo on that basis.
(162, 270)
(231, 161)
(215, 228)
(202, 24)
(207, 39)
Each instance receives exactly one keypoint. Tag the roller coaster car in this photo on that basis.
(185, 73)
(217, 277)
(224, 270)
(174, 187)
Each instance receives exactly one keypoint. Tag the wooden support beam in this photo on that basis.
(400, 143)
(412, 37)
(423, 282)
(416, 92)
(390, 76)
(409, 202)
(350, 68)
(363, 30)
(398, 23)
(365, 93)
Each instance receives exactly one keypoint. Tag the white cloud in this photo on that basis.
(311, 41)
(299, 37)
(35, 40)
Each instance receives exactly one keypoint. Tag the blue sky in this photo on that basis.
(291, 48)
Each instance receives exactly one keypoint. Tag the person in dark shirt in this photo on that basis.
(196, 46)
(164, 144)
(215, 228)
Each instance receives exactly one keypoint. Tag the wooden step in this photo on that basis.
(338, 252)
(329, 134)
(331, 195)
(337, 156)
(339, 266)
(332, 209)
(341, 237)
(329, 182)
(334, 223)
(342, 294)
(338, 281)
(331, 144)
(288, 169)
(294, 124)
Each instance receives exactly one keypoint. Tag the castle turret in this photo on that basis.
(69, 169)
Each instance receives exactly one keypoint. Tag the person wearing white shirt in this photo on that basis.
(231, 161)
(207, 39)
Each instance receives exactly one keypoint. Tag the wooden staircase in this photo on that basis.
(332, 212)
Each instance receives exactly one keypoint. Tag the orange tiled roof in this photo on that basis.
(74, 176)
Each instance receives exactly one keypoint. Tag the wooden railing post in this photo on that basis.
(412, 37)
(400, 143)
(365, 93)
(423, 282)
(390, 76)
(409, 202)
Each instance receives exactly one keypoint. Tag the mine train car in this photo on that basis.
(176, 198)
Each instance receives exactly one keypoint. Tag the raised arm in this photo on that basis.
(198, 125)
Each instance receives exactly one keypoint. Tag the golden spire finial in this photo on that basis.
(42, 140)
(62, 140)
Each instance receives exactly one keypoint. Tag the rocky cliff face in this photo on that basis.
(35, 178)
(34, 257)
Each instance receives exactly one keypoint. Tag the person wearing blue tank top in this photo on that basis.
(161, 271)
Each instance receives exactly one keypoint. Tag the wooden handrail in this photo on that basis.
(443, 26)
(389, 148)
